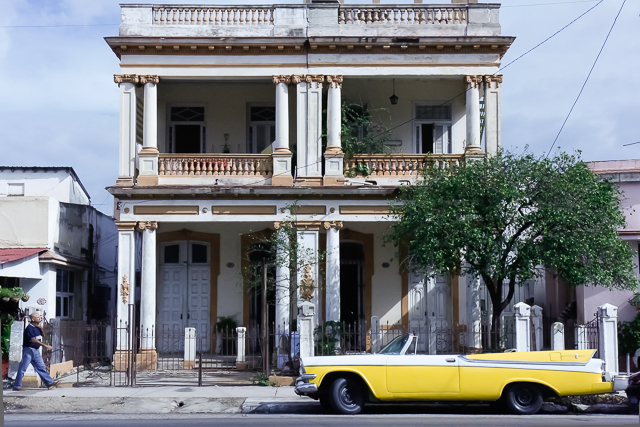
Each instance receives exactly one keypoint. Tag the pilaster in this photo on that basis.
(332, 308)
(127, 153)
(492, 120)
(309, 119)
(281, 153)
(148, 156)
(147, 356)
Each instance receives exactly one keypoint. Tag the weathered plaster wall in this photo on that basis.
(58, 184)
(24, 222)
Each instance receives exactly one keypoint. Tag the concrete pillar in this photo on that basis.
(125, 291)
(474, 314)
(281, 152)
(536, 320)
(333, 156)
(332, 308)
(608, 337)
(522, 313)
(240, 359)
(492, 105)
(473, 115)
(190, 339)
(582, 341)
(147, 356)
(126, 164)
(306, 326)
(431, 335)
(375, 334)
(148, 166)
(557, 336)
(309, 120)
(283, 293)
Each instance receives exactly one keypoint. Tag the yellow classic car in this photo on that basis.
(518, 381)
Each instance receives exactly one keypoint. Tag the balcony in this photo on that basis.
(194, 169)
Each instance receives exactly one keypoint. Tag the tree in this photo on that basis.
(502, 218)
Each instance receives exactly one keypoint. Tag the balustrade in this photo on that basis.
(402, 15)
(397, 165)
(239, 165)
(220, 15)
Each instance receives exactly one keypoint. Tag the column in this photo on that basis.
(126, 164)
(309, 121)
(148, 166)
(473, 116)
(523, 326)
(557, 336)
(474, 313)
(492, 125)
(307, 266)
(125, 292)
(281, 153)
(536, 322)
(333, 156)
(332, 308)
(283, 296)
(147, 356)
(608, 337)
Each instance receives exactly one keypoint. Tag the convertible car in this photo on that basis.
(517, 381)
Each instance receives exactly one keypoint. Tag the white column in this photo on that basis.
(190, 339)
(281, 153)
(523, 328)
(474, 314)
(148, 166)
(283, 296)
(492, 104)
(557, 336)
(536, 320)
(241, 331)
(332, 308)
(333, 156)
(473, 113)
(582, 340)
(309, 120)
(608, 337)
(148, 285)
(306, 326)
(126, 280)
(127, 156)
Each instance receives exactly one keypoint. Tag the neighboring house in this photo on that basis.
(207, 88)
(54, 245)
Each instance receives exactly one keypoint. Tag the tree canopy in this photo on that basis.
(503, 217)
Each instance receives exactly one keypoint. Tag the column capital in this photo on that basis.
(148, 225)
(335, 81)
(297, 78)
(281, 79)
(473, 81)
(314, 78)
(126, 225)
(281, 224)
(149, 79)
(337, 225)
(126, 78)
(497, 78)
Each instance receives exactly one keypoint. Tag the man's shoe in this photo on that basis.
(54, 384)
(18, 389)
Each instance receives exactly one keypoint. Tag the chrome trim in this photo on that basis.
(523, 362)
(620, 382)
(305, 388)
(304, 377)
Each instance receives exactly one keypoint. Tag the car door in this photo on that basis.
(422, 375)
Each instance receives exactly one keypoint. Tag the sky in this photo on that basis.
(59, 105)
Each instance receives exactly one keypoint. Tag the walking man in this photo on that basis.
(32, 341)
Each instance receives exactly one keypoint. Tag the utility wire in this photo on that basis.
(587, 79)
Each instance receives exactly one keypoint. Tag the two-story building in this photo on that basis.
(231, 114)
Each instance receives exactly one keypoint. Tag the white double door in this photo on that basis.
(184, 295)
(430, 312)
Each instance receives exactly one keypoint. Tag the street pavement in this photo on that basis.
(368, 420)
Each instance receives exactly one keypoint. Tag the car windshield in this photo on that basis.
(396, 345)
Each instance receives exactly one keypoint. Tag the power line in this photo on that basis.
(587, 79)
(632, 143)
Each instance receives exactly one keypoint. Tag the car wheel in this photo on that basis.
(522, 399)
(346, 397)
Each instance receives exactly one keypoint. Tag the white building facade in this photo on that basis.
(229, 115)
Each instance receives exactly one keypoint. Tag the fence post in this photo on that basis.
(557, 336)
(523, 326)
(608, 336)
(306, 312)
(431, 335)
(581, 337)
(240, 358)
(536, 317)
(189, 348)
(375, 334)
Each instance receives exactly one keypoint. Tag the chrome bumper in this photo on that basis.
(304, 387)
(620, 382)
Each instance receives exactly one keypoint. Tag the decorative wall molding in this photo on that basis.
(148, 225)
(307, 285)
(473, 81)
(166, 210)
(149, 79)
(493, 78)
(314, 78)
(335, 81)
(126, 78)
(124, 289)
(281, 79)
(337, 225)
(126, 225)
(309, 210)
(244, 210)
(365, 210)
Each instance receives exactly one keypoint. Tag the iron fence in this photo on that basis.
(587, 335)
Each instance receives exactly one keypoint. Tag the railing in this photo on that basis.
(220, 15)
(397, 165)
(402, 15)
(242, 165)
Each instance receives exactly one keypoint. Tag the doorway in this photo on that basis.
(187, 130)
(183, 295)
(352, 312)
(260, 257)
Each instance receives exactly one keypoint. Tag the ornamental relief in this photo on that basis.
(473, 81)
(148, 225)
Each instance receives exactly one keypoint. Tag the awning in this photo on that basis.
(14, 254)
